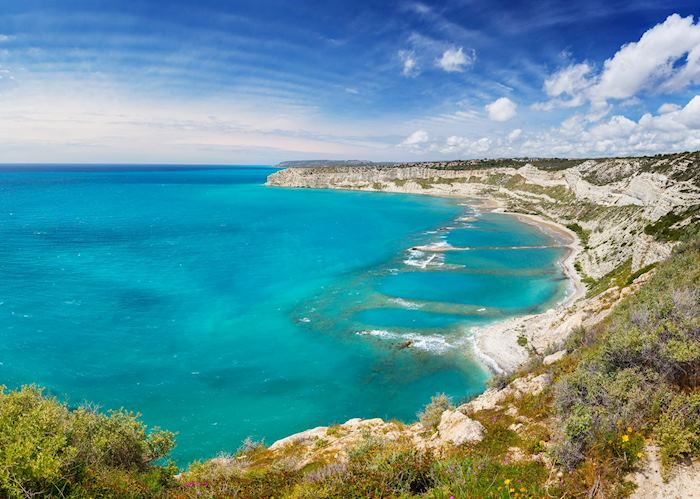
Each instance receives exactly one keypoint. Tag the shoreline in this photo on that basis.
(496, 345)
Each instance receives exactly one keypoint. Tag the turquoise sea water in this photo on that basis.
(220, 308)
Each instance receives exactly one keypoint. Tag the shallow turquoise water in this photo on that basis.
(220, 308)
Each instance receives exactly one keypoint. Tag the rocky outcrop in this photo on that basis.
(493, 398)
(458, 429)
(331, 443)
(554, 358)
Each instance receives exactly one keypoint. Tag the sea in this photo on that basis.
(220, 308)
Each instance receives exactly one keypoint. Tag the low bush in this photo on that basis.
(47, 449)
(430, 416)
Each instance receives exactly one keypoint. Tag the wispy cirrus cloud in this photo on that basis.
(410, 65)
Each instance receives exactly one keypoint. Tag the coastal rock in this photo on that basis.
(491, 398)
(458, 429)
(485, 402)
(555, 357)
(302, 437)
(530, 385)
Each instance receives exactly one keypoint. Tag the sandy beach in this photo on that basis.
(497, 344)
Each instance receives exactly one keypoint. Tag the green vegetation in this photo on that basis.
(676, 226)
(616, 277)
(47, 449)
(555, 164)
(430, 416)
(582, 233)
(639, 378)
(620, 276)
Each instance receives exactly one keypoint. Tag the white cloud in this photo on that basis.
(673, 129)
(410, 65)
(570, 80)
(650, 61)
(455, 60)
(95, 121)
(464, 145)
(565, 87)
(666, 58)
(502, 109)
(415, 140)
(4, 38)
(667, 108)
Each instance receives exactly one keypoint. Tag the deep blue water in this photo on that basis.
(220, 308)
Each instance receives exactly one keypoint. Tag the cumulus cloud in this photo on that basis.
(570, 80)
(566, 87)
(674, 128)
(651, 60)
(671, 128)
(4, 38)
(416, 140)
(502, 109)
(410, 65)
(455, 60)
(667, 108)
(666, 58)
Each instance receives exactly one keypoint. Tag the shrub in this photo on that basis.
(430, 416)
(375, 468)
(678, 429)
(582, 233)
(579, 337)
(632, 372)
(48, 449)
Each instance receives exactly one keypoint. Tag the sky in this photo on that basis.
(257, 82)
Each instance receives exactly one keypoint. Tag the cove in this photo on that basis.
(220, 308)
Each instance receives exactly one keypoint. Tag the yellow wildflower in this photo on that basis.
(629, 429)
(507, 481)
(625, 438)
(640, 455)
(511, 490)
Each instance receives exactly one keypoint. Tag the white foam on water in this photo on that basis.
(304, 319)
(379, 333)
(438, 247)
(429, 343)
(406, 303)
(418, 258)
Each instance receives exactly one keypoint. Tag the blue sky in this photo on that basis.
(262, 81)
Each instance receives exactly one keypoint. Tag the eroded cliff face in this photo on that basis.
(614, 201)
